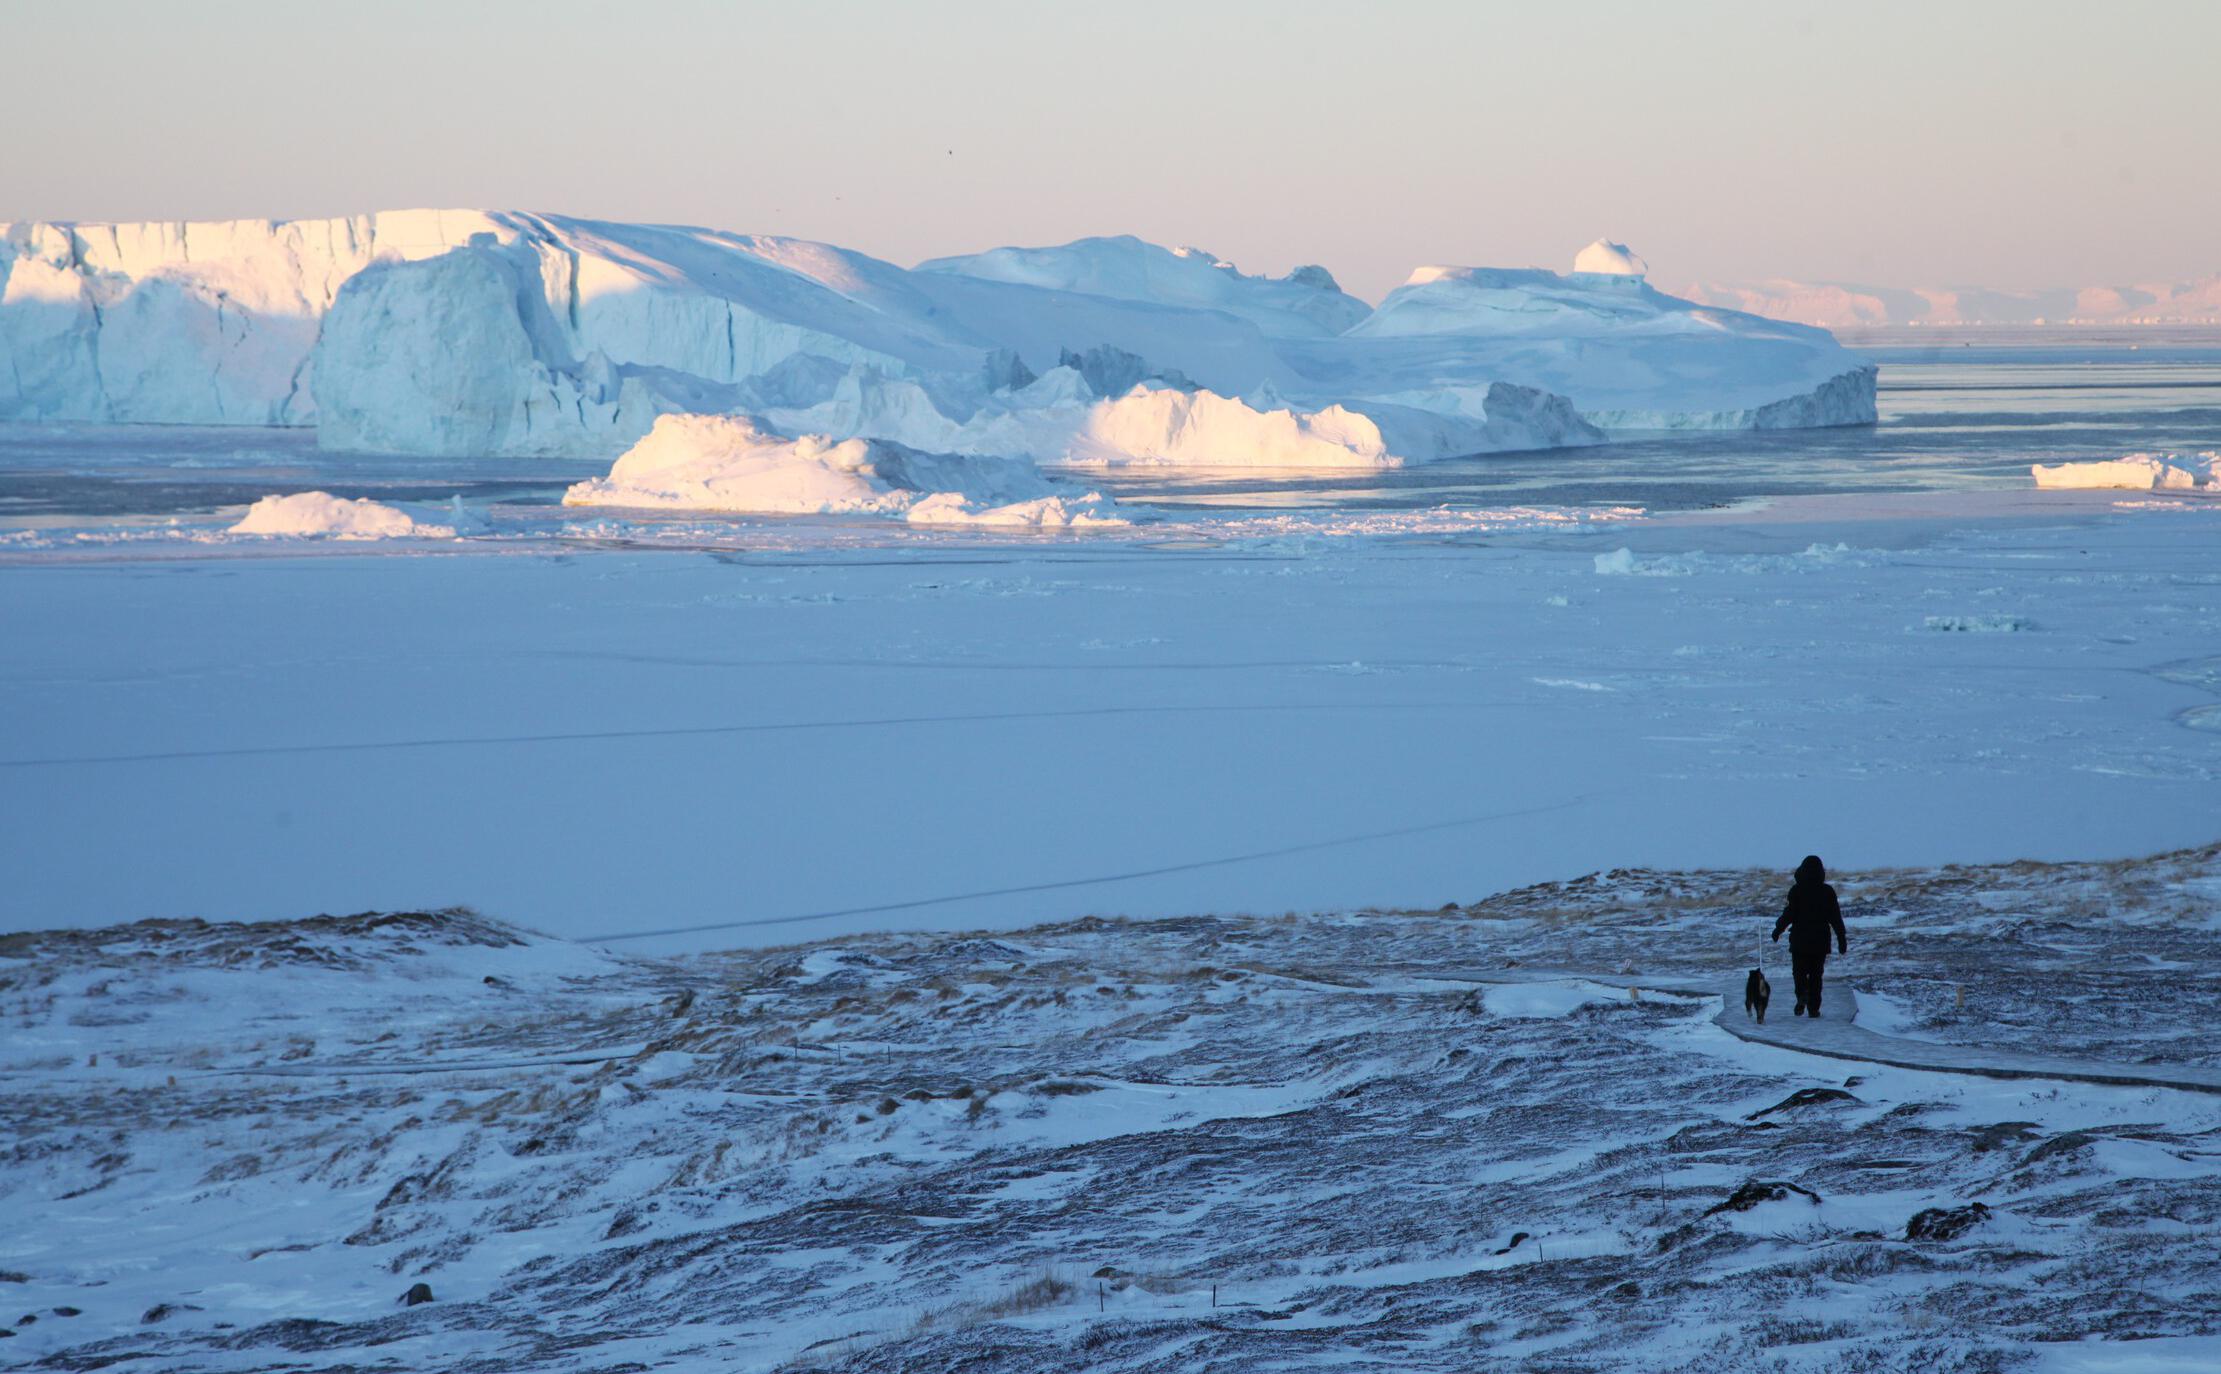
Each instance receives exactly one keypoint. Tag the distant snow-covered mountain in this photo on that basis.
(1836, 305)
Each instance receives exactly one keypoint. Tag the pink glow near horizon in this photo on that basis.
(1906, 144)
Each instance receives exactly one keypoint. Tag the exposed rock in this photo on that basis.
(1803, 1097)
(1945, 1223)
(1756, 1191)
(2003, 1133)
(418, 1293)
(2073, 1142)
(163, 1311)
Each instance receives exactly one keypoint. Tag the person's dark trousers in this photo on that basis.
(1807, 965)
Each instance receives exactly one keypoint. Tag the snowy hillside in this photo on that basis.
(484, 333)
(1519, 1134)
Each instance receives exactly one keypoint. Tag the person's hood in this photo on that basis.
(1812, 870)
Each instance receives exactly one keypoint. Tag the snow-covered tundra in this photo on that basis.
(1509, 1135)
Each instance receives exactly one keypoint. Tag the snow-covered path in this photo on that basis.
(1835, 1035)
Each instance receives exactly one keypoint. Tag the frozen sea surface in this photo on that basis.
(1881, 644)
(778, 740)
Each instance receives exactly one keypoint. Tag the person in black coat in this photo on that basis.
(1812, 913)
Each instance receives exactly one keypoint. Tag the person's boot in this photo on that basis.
(1800, 1010)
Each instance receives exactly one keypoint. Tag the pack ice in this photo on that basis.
(465, 332)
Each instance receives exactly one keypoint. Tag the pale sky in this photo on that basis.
(1955, 142)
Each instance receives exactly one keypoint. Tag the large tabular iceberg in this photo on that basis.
(500, 333)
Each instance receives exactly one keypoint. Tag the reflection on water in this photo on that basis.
(1965, 410)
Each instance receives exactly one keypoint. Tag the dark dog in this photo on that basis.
(1756, 993)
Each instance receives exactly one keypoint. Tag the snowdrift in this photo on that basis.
(2135, 472)
(504, 333)
(729, 463)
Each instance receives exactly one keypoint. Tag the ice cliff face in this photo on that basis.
(180, 323)
(501, 333)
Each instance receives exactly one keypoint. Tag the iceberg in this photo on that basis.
(1605, 258)
(2135, 472)
(732, 464)
(319, 514)
(1626, 355)
(1059, 421)
(504, 333)
(1307, 303)
(1160, 426)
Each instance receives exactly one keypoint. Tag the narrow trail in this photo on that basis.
(1834, 1036)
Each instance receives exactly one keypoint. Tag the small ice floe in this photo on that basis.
(321, 515)
(2135, 472)
(1622, 562)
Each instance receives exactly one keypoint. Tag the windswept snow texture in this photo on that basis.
(319, 513)
(1449, 1140)
(727, 463)
(469, 333)
(2136, 472)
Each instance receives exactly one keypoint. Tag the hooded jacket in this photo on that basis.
(1812, 912)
